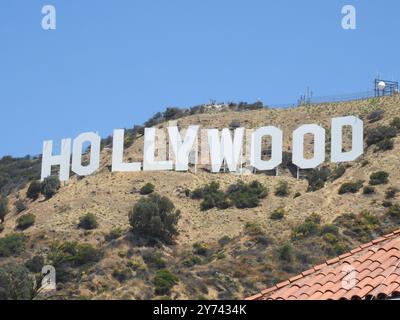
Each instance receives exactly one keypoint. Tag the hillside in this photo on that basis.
(229, 253)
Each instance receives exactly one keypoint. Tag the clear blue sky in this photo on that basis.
(110, 64)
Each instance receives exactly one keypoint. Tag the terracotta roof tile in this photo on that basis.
(376, 267)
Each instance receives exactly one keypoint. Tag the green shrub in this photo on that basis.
(379, 134)
(377, 178)
(50, 186)
(201, 249)
(247, 195)
(12, 245)
(73, 254)
(396, 123)
(224, 240)
(34, 190)
(154, 259)
(364, 163)
(164, 281)
(362, 227)
(88, 222)
(3, 208)
(317, 178)
(35, 264)
(286, 253)
(147, 189)
(329, 228)
(338, 172)
(15, 283)
(122, 274)
(282, 189)
(387, 204)
(368, 190)
(113, 234)
(25, 221)
(253, 229)
(350, 187)
(20, 206)
(394, 211)
(155, 218)
(391, 193)
(375, 116)
(278, 214)
(385, 145)
(310, 227)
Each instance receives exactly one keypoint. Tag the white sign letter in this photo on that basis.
(357, 127)
(118, 164)
(149, 163)
(181, 148)
(63, 159)
(224, 148)
(94, 164)
(276, 151)
(298, 146)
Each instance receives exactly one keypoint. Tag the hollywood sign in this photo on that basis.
(218, 149)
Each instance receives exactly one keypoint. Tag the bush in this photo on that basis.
(285, 252)
(317, 178)
(253, 229)
(377, 178)
(3, 208)
(391, 193)
(234, 124)
(122, 274)
(394, 211)
(247, 195)
(350, 187)
(50, 186)
(201, 249)
(25, 221)
(154, 259)
(88, 222)
(12, 245)
(385, 145)
(278, 214)
(396, 123)
(164, 281)
(310, 227)
(282, 190)
(368, 190)
(147, 189)
(34, 190)
(113, 234)
(15, 283)
(375, 116)
(338, 172)
(329, 229)
(379, 134)
(20, 206)
(362, 227)
(155, 218)
(35, 264)
(73, 254)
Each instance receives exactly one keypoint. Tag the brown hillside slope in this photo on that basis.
(110, 196)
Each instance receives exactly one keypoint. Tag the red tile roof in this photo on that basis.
(371, 271)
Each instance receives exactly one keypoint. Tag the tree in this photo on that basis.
(50, 186)
(155, 218)
(3, 208)
(15, 283)
(34, 190)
